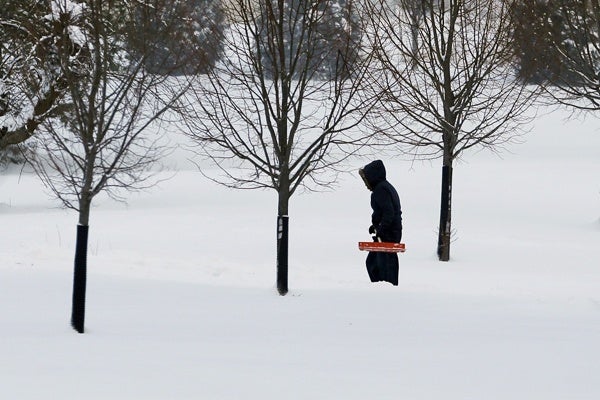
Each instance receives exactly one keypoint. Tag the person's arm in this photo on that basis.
(385, 204)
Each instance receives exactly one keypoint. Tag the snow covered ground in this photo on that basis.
(182, 302)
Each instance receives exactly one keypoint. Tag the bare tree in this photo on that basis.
(102, 143)
(454, 91)
(578, 46)
(278, 111)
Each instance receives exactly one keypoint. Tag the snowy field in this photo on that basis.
(182, 301)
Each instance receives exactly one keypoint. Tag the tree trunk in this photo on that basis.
(80, 270)
(415, 19)
(80, 279)
(282, 240)
(444, 234)
(282, 254)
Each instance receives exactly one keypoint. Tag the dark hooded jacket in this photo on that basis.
(385, 202)
(386, 219)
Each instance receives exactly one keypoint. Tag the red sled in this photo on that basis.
(386, 247)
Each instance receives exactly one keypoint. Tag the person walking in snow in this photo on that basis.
(386, 222)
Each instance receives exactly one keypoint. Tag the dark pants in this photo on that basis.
(383, 267)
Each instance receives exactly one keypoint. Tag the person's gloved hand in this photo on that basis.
(371, 229)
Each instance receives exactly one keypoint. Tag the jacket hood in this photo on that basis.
(373, 173)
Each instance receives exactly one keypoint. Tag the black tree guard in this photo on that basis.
(79, 279)
(282, 254)
(445, 215)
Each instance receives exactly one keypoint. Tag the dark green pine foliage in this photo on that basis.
(549, 37)
(178, 37)
(321, 39)
(27, 46)
(31, 81)
(579, 42)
